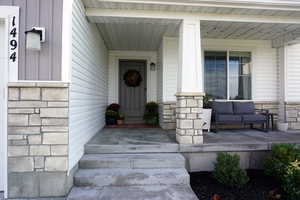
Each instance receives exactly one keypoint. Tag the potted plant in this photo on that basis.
(114, 106)
(151, 113)
(111, 117)
(206, 112)
(120, 120)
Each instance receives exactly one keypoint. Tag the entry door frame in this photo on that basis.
(113, 82)
(9, 15)
(145, 76)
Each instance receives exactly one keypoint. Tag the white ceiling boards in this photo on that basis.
(140, 25)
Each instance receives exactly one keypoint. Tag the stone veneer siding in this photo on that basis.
(189, 121)
(38, 139)
(167, 115)
(292, 110)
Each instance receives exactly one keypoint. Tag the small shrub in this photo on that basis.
(281, 156)
(111, 114)
(151, 113)
(121, 117)
(228, 172)
(291, 181)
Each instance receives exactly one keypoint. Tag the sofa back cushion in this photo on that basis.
(243, 108)
(222, 107)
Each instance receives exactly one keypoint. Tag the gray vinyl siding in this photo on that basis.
(46, 64)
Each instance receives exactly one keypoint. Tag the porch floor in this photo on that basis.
(224, 140)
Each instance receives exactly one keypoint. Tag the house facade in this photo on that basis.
(54, 99)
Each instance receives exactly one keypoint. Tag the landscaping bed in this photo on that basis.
(258, 187)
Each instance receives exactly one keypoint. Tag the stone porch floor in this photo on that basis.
(225, 140)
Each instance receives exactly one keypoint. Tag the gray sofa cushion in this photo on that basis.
(243, 108)
(254, 118)
(222, 107)
(229, 118)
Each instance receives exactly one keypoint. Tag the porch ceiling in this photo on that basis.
(146, 34)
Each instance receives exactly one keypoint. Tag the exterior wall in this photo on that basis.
(46, 64)
(167, 115)
(38, 140)
(292, 73)
(265, 69)
(88, 89)
(113, 73)
(292, 110)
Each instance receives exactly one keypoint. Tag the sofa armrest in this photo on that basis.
(262, 111)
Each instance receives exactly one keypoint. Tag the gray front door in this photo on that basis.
(132, 99)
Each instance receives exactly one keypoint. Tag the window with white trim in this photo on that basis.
(227, 75)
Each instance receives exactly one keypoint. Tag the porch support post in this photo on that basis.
(190, 87)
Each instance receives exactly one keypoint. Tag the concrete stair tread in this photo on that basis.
(131, 148)
(128, 177)
(133, 192)
(148, 160)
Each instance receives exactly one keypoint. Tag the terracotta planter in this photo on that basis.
(120, 122)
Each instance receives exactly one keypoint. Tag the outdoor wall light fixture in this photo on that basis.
(152, 66)
(34, 38)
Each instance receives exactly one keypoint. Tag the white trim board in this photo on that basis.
(113, 73)
(10, 16)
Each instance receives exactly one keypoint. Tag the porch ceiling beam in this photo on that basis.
(98, 12)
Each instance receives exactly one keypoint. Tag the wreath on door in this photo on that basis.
(132, 78)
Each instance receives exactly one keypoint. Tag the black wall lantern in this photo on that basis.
(152, 66)
(34, 38)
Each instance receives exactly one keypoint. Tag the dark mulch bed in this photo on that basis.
(258, 188)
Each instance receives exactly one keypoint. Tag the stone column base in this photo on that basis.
(189, 118)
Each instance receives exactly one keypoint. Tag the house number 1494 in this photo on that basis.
(13, 44)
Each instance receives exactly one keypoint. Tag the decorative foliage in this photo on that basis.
(228, 172)
(206, 101)
(111, 114)
(151, 113)
(114, 106)
(132, 78)
(121, 117)
(282, 155)
(284, 165)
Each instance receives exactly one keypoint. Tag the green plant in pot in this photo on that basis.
(151, 113)
(120, 120)
(111, 117)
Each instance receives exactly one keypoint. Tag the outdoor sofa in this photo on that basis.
(238, 113)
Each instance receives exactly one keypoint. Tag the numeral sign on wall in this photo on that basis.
(13, 40)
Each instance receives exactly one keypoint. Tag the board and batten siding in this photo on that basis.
(44, 64)
(88, 90)
(264, 65)
(292, 73)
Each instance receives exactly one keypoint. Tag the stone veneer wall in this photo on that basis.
(167, 115)
(189, 121)
(38, 139)
(292, 110)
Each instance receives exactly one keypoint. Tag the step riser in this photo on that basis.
(110, 149)
(133, 164)
(134, 179)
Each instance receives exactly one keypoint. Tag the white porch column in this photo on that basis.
(190, 84)
(289, 87)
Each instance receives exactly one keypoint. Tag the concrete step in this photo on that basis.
(134, 192)
(131, 148)
(134, 161)
(130, 177)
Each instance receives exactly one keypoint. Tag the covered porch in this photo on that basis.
(231, 54)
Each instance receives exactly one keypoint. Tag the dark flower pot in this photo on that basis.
(110, 121)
